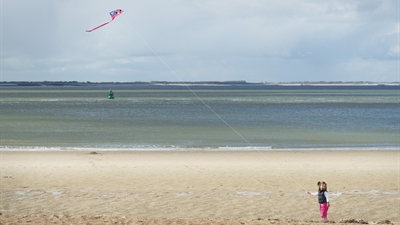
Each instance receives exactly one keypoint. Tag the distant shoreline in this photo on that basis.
(200, 83)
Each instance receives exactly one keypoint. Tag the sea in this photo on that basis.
(226, 118)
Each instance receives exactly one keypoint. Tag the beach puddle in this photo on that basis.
(54, 192)
(183, 194)
(248, 193)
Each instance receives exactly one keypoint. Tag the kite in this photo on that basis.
(113, 14)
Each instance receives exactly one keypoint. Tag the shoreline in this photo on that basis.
(197, 186)
(194, 149)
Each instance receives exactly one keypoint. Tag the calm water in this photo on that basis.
(216, 118)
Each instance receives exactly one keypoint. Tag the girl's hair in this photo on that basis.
(319, 185)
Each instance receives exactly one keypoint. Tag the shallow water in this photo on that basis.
(209, 118)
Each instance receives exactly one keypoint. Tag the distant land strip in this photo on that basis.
(198, 83)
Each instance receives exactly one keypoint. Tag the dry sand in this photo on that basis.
(201, 187)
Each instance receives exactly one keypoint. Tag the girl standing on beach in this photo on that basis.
(323, 199)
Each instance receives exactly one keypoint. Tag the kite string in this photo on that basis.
(204, 103)
(187, 86)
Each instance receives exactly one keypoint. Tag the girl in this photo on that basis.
(323, 199)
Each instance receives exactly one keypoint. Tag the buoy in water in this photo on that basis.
(110, 94)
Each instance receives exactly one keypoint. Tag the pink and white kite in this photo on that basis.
(113, 14)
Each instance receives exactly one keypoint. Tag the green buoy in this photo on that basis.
(110, 94)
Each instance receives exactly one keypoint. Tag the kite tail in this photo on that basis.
(99, 26)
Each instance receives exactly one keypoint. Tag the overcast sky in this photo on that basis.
(200, 40)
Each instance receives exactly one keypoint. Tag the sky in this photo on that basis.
(200, 40)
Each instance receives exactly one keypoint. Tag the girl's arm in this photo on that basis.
(312, 193)
(327, 198)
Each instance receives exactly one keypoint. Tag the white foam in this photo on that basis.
(184, 148)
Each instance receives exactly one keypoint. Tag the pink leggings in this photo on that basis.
(323, 209)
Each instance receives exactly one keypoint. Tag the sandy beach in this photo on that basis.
(200, 187)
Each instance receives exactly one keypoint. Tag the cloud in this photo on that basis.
(251, 40)
(371, 69)
(394, 51)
